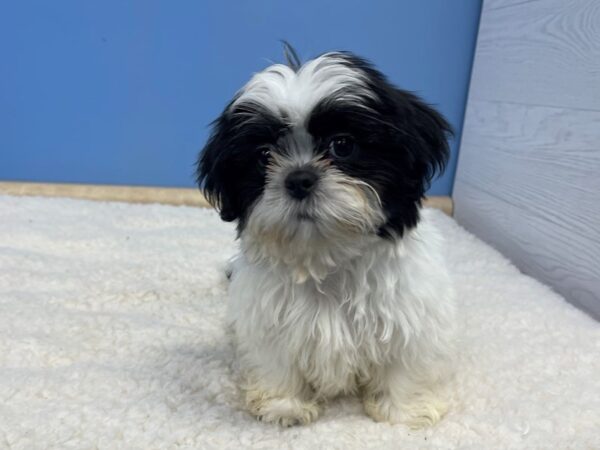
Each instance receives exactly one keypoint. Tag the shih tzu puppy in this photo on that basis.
(340, 285)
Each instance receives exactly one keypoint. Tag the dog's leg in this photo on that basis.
(398, 393)
(280, 396)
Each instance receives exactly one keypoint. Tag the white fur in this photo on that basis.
(380, 321)
(295, 94)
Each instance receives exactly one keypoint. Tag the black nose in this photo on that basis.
(300, 183)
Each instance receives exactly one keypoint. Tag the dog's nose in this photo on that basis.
(300, 183)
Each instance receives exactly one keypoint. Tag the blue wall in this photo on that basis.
(122, 92)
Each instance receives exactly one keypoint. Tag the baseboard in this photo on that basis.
(142, 194)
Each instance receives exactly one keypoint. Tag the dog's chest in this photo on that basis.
(346, 330)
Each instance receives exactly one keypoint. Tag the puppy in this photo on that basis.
(340, 285)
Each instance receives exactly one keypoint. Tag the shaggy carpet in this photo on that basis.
(112, 335)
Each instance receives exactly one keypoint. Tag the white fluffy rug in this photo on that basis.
(112, 336)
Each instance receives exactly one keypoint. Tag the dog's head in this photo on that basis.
(326, 149)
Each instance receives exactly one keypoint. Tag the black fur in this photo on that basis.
(402, 145)
(228, 170)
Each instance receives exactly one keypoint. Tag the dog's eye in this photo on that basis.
(264, 155)
(342, 147)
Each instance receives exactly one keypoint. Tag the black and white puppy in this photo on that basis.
(340, 285)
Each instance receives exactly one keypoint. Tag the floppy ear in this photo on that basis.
(216, 178)
(427, 135)
(417, 138)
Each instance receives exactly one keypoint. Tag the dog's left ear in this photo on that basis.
(418, 136)
(426, 133)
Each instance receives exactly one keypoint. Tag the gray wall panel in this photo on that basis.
(528, 178)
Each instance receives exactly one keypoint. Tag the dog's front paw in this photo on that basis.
(419, 411)
(285, 411)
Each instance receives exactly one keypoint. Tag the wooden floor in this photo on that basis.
(139, 194)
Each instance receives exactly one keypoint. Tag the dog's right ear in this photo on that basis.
(216, 176)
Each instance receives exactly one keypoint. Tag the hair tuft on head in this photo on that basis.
(291, 57)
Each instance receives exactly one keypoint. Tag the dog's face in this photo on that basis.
(330, 149)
